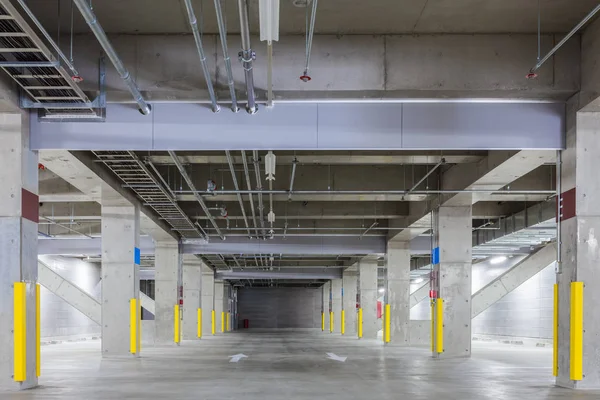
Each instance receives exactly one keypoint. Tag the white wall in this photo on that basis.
(525, 312)
(58, 318)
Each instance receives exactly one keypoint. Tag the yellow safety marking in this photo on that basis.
(331, 322)
(432, 326)
(439, 305)
(213, 322)
(388, 313)
(323, 321)
(133, 324)
(176, 334)
(20, 331)
(199, 323)
(38, 334)
(576, 331)
(228, 327)
(360, 323)
(343, 322)
(222, 321)
(555, 334)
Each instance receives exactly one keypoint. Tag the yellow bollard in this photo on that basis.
(133, 326)
(343, 322)
(439, 306)
(222, 321)
(213, 322)
(323, 321)
(331, 322)
(555, 334)
(20, 331)
(199, 323)
(360, 323)
(387, 331)
(228, 327)
(176, 334)
(576, 359)
(38, 334)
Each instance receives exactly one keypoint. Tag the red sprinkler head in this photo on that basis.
(531, 75)
(305, 78)
(77, 79)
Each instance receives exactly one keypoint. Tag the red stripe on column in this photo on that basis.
(30, 206)
(568, 202)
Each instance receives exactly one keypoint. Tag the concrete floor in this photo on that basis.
(294, 365)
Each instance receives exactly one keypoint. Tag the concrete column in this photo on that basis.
(398, 291)
(367, 279)
(120, 267)
(326, 304)
(166, 266)
(350, 284)
(580, 254)
(454, 238)
(208, 299)
(336, 304)
(19, 207)
(219, 287)
(192, 295)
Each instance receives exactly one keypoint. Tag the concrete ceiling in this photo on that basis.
(334, 16)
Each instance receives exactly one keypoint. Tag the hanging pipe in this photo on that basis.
(235, 184)
(532, 71)
(226, 58)
(198, 40)
(249, 184)
(294, 163)
(309, 39)
(259, 190)
(92, 22)
(247, 56)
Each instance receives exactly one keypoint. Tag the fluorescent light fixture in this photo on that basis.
(418, 280)
(382, 290)
(498, 260)
(269, 20)
(270, 165)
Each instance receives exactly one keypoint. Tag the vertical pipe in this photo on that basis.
(213, 322)
(439, 328)
(176, 334)
(387, 323)
(38, 332)
(133, 342)
(576, 356)
(555, 333)
(343, 322)
(199, 323)
(360, 323)
(20, 331)
(247, 56)
(198, 39)
(226, 58)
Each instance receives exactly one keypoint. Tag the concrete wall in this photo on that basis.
(525, 312)
(59, 319)
(280, 307)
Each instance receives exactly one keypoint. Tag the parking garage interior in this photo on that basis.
(299, 198)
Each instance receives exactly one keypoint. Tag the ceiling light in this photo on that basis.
(269, 20)
(498, 260)
(270, 161)
(382, 290)
(418, 280)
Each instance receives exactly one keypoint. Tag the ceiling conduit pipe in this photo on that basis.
(259, 191)
(532, 72)
(249, 184)
(247, 56)
(235, 184)
(226, 58)
(92, 21)
(294, 163)
(198, 39)
(189, 182)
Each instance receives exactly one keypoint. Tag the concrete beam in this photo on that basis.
(147, 303)
(69, 292)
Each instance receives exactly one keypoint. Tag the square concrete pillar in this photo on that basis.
(398, 291)
(367, 279)
(336, 304)
(192, 295)
(326, 305)
(120, 268)
(453, 276)
(166, 266)
(350, 284)
(208, 299)
(219, 306)
(580, 254)
(19, 208)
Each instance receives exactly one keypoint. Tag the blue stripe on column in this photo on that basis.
(435, 256)
(137, 255)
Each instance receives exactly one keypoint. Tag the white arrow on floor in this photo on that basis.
(334, 357)
(237, 357)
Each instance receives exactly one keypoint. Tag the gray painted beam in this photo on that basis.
(69, 292)
(321, 126)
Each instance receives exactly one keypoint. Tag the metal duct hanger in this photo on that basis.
(310, 30)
